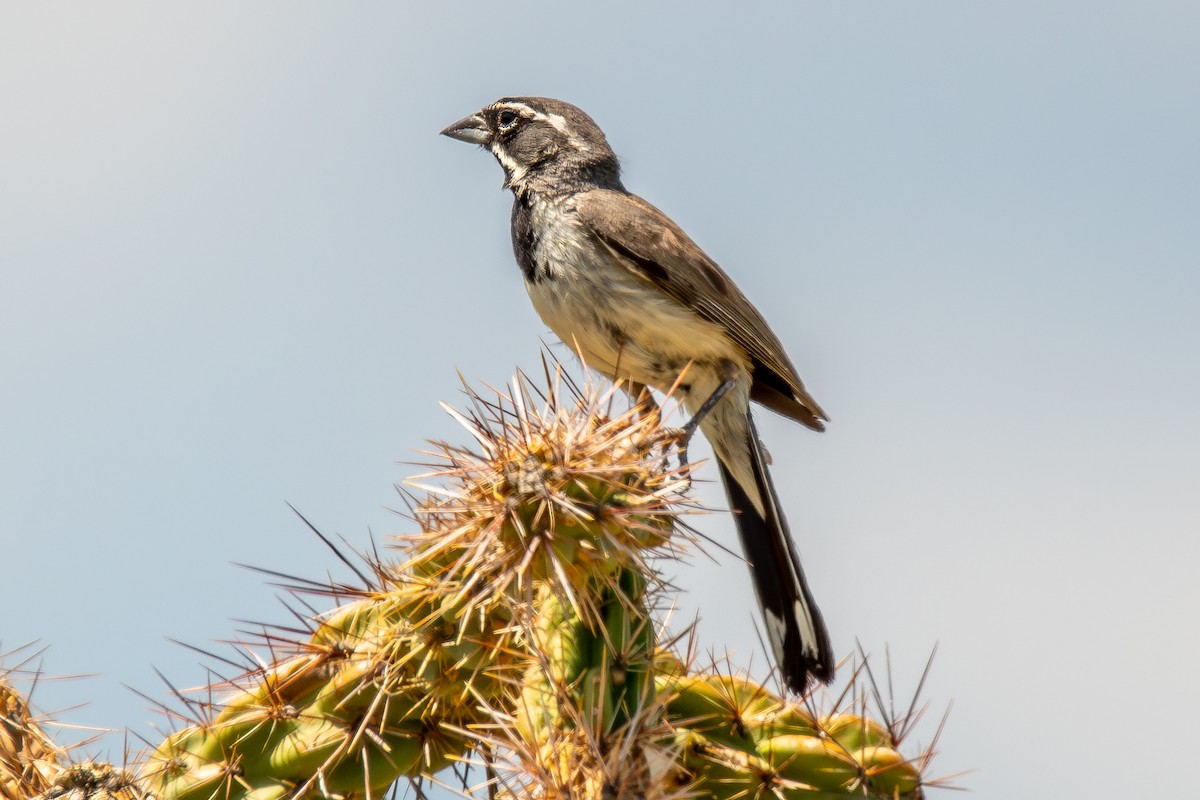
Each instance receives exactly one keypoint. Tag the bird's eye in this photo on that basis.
(507, 119)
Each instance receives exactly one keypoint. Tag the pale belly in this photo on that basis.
(625, 328)
(632, 332)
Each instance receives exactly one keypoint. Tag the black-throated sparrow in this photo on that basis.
(624, 286)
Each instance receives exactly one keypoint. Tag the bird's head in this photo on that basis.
(544, 145)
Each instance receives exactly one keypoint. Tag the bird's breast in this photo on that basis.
(618, 321)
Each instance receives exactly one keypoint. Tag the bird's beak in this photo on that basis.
(472, 129)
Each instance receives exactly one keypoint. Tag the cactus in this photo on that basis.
(29, 758)
(515, 632)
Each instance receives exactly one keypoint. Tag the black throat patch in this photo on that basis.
(524, 239)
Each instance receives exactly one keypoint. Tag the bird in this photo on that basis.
(621, 284)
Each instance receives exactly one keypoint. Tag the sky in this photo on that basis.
(239, 269)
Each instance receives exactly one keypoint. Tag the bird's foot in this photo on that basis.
(681, 438)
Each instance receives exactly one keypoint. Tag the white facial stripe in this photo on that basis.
(515, 171)
(520, 108)
(561, 126)
(556, 121)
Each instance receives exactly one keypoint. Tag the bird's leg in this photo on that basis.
(684, 434)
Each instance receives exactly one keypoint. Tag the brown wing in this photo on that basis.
(654, 247)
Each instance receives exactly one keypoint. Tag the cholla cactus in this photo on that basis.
(515, 633)
(29, 759)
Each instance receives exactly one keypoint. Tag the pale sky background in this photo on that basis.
(239, 268)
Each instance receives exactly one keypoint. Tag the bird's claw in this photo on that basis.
(681, 438)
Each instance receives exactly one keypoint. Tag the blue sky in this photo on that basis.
(238, 268)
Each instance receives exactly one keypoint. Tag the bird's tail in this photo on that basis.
(794, 625)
